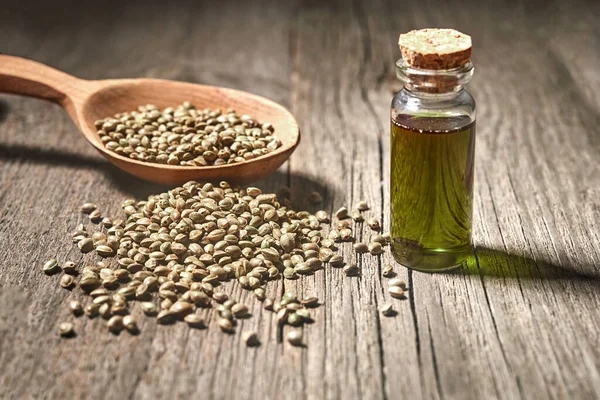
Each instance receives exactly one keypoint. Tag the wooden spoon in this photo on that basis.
(87, 101)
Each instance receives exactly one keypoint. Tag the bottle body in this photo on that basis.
(432, 167)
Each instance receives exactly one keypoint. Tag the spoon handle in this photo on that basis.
(30, 78)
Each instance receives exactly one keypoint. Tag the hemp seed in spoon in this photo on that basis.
(186, 136)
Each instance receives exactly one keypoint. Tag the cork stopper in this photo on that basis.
(435, 49)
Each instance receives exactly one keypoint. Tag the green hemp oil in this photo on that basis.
(431, 191)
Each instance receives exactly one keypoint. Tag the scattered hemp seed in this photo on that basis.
(220, 297)
(322, 216)
(68, 267)
(328, 243)
(67, 281)
(333, 235)
(250, 338)
(95, 216)
(295, 338)
(346, 235)
(290, 273)
(89, 281)
(268, 304)
(373, 224)
(87, 208)
(341, 213)
(104, 310)
(115, 324)
(239, 310)
(387, 271)
(66, 329)
(304, 269)
(351, 270)
(362, 206)
(92, 310)
(397, 282)
(105, 251)
(86, 245)
(169, 252)
(396, 292)
(387, 310)
(50, 267)
(310, 301)
(165, 317)
(304, 314)
(225, 325)
(356, 216)
(342, 224)
(375, 248)
(360, 248)
(282, 316)
(130, 324)
(194, 320)
(336, 261)
(294, 319)
(181, 308)
(75, 307)
(260, 294)
(325, 254)
(79, 237)
(289, 297)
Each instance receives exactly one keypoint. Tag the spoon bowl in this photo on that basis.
(88, 101)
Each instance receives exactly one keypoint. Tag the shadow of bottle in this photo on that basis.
(500, 264)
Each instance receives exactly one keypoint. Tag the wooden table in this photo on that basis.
(520, 321)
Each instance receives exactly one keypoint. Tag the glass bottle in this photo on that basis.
(432, 165)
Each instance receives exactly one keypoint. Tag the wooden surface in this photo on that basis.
(520, 321)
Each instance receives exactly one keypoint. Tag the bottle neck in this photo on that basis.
(426, 93)
(440, 84)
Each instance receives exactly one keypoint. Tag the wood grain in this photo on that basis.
(519, 321)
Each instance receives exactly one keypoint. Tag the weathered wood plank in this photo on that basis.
(519, 321)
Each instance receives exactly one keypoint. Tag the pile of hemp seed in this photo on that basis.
(186, 136)
(174, 250)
